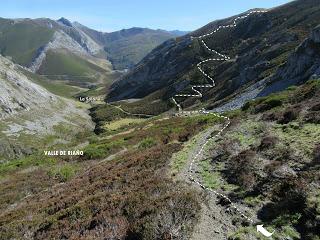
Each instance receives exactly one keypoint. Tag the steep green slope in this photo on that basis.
(21, 40)
(54, 49)
(270, 155)
(75, 70)
(64, 63)
(257, 46)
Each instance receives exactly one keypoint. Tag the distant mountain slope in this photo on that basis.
(179, 33)
(33, 42)
(257, 46)
(127, 47)
(29, 42)
(21, 39)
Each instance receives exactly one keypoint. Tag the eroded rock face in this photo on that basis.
(315, 36)
(60, 40)
(302, 65)
(18, 93)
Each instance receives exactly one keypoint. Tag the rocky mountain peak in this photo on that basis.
(65, 22)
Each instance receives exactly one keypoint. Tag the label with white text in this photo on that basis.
(63, 153)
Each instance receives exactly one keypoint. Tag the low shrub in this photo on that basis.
(312, 117)
(267, 142)
(272, 166)
(242, 169)
(289, 115)
(268, 104)
(102, 149)
(290, 195)
(316, 154)
(307, 91)
(184, 137)
(281, 154)
(246, 106)
(315, 107)
(93, 152)
(63, 173)
(147, 143)
(273, 116)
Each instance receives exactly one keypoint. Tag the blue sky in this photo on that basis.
(111, 15)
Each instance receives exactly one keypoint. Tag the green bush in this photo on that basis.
(102, 149)
(246, 106)
(273, 102)
(147, 143)
(268, 103)
(94, 152)
(33, 160)
(63, 173)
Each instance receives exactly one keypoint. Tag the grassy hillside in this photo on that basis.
(63, 65)
(59, 88)
(21, 40)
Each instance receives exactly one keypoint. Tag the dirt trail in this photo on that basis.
(217, 215)
(214, 222)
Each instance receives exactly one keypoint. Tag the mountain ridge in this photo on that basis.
(43, 32)
(125, 43)
(258, 44)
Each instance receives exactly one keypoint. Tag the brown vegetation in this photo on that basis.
(242, 169)
(129, 197)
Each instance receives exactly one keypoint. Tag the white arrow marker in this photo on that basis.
(262, 230)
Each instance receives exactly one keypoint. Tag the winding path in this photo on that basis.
(197, 93)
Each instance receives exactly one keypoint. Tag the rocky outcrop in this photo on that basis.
(303, 64)
(18, 93)
(60, 40)
(315, 36)
(27, 109)
(65, 22)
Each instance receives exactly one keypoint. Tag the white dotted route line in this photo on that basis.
(234, 24)
(199, 95)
